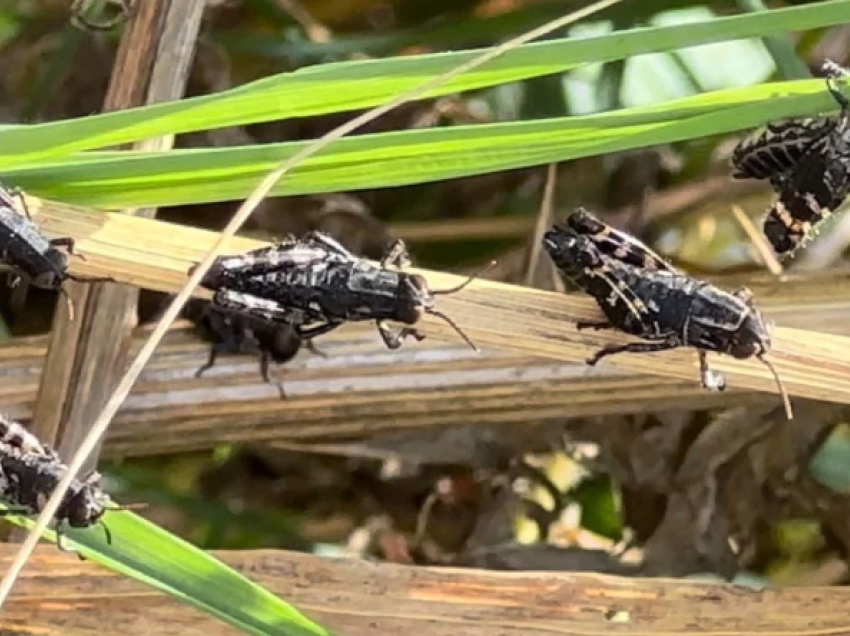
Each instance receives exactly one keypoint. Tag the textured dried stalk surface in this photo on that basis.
(359, 390)
(60, 595)
(156, 255)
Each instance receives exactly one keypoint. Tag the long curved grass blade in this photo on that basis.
(156, 557)
(347, 86)
(125, 179)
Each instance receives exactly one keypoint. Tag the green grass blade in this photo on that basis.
(119, 179)
(149, 554)
(347, 86)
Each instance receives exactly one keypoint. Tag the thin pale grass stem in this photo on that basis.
(544, 216)
(758, 240)
(100, 425)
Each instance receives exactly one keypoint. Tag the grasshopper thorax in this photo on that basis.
(414, 299)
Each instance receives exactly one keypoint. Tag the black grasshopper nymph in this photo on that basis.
(30, 470)
(807, 162)
(316, 285)
(27, 253)
(27, 480)
(232, 328)
(644, 296)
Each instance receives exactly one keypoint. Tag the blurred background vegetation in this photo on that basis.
(600, 485)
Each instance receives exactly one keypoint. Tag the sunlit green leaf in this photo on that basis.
(151, 555)
(119, 179)
(346, 86)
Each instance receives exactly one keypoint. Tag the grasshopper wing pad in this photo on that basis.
(615, 244)
(778, 148)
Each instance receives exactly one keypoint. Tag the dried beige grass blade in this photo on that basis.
(533, 322)
(544, 219)
(758, 240)
(102, 423)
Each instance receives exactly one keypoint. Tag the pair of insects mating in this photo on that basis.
(311, 286)
(30, 470)
(807, 162)
(643, 295)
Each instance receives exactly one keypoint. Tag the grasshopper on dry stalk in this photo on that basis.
(315, 285)
(807, 162)
(642, 295)
(27, 253)
(30, 470)
(231, 330)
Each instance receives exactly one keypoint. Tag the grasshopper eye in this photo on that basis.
(751, 339)
(744, 350)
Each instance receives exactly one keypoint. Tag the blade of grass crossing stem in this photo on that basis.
(347, 86)
(101, 424)
(116, 179)
(147, 553)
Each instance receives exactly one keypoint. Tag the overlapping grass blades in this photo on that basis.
(346, 86)
(119, 179)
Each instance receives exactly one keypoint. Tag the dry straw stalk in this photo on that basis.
(359, 391)
(157, 255)
(351, 596)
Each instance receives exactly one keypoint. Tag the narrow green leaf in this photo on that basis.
(353, 85)
(126, 179)
(156, 557)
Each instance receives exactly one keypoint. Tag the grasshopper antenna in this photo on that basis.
(454, 326)
(453, 290)
(478, 274)
(786, 401)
